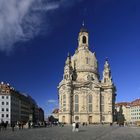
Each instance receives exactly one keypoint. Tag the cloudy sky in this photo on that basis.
(36, 35)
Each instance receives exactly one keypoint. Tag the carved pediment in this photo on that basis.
(82, 84)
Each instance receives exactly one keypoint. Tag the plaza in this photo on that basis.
(99, 132)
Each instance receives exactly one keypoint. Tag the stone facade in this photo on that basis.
(125, 107)
(82, 96)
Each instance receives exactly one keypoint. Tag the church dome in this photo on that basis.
(85, 61)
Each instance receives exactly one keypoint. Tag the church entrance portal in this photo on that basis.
(90, 119)
(76, 118)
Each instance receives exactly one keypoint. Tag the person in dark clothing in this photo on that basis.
(13, 126)
(29, 124)
(2, 125)
(22, 125)
(19, 125)
(77, 127)
(5, 125)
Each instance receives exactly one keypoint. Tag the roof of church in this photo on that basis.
(55, 111)
(122, 104)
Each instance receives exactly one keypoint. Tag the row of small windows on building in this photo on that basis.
(7, 109)
(4, 97)
(135, 118)
(135, 110)
(2, 115)
(135, 113)
(4, 103)
(135, 107)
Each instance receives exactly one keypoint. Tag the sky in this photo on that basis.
(36, 35)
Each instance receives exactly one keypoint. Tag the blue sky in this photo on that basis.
(36, 36)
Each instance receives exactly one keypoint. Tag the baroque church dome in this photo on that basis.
(84, 61)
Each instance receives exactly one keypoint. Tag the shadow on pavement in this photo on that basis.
(82, 130)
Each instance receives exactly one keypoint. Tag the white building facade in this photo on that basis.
(15, 106)
(5, 108)
(82, 96)
(135, 111)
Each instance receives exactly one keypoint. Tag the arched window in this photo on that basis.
(76, 118)
(76, 103)
(90, 103)
(64, 103)
(84, 39)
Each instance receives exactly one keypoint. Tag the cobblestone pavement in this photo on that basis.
(65, 133)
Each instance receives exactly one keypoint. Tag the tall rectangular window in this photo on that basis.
(102, 108)
(90, 103)
(102, 103)
(90, 107)
(76, 102)
(87, 60)
(64, 103)
(102, 99)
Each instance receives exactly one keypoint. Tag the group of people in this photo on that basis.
(75, 127)
(19, 124)
(3, 125)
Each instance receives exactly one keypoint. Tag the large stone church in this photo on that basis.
(83, 97)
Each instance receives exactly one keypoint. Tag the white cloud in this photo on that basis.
(20, 20)
(52, 101)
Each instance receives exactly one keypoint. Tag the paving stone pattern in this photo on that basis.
(65, 133)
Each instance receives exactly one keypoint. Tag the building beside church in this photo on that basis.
(135, 111)
(125, 113)
(16, 106)
(83, 97)
(130, 111)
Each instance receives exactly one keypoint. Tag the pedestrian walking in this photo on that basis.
(19, 125)
(29, 124)
(13, 126)
(5, 125)
(77, 127)
(22, 125)
(2, 125)
(73, 126)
